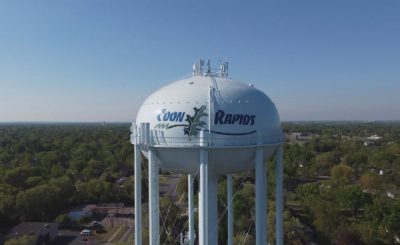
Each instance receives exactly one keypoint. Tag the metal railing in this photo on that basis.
(209, 141)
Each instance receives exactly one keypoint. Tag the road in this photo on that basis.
(74, 238)
(169, 190)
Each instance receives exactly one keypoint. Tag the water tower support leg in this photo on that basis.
(279, 195)
(191, 208)
(261, 207)
(154, 231)
(203, 198)
(138, 196)
(212, 208)
(229, 184)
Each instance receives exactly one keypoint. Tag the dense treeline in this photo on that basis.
(337, 189)
(390, 130)
(345, 191)
(47, 168)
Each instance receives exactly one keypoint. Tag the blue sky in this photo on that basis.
(97, 60)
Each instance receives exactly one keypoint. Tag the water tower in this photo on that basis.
(211, 125)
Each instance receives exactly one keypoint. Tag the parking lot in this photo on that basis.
(117, 228)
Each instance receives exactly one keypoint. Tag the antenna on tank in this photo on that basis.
(223, 69)
(198, 67)
(208, 67)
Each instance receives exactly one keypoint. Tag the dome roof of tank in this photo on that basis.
(218, 105)
(208, 111)
(194, 87)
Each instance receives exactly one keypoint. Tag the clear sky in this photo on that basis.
(97, 60)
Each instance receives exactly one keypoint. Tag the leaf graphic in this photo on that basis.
(195, 125)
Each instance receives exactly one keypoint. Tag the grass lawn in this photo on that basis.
(131, 239)
(105, 236)
(122, 230)
(163, 180)
(293, 202)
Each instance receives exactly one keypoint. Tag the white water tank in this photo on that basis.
(235, 118)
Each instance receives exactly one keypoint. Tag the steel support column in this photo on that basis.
(261, 196)
(229, 200)
(191, 208)
(212, 208)
(154, 222)
(138, 194)
(203, 221)
(279, 194)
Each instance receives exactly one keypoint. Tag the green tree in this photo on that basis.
(8, 211)
(244, 239)
(22, 240)
(348, 237)
(84, 220)
(65, 190)
(383, 216)
(63, 219)
(306, 190)
(327, 218)
(33, 181)
(40, 203)
(293, 229)
(352, 198)
(17, 176)
(324, 161)
(370, 181)
(341, 174)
